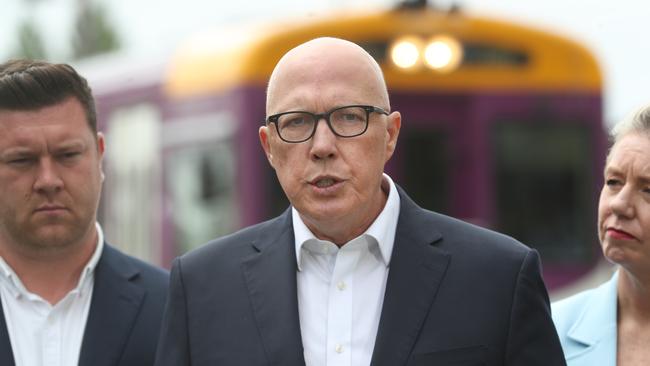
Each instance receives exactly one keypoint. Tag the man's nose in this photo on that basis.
(323, 144)
(48, 178)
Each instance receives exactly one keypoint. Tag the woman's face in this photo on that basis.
(624, 207)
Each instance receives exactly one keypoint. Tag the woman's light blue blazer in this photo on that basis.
(586, 324)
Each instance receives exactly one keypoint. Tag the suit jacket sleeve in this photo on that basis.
(173, 345)
(532, 338)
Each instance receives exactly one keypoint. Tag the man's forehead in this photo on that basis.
(54, 134)
(328, 53)
(324, 46)
(321, 63)
(61, 121)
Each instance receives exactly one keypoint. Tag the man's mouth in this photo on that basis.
(50, 208)
(324, 182)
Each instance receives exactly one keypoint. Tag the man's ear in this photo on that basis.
(393, 125)
(266, 145)
(101, 149)
(101, 144)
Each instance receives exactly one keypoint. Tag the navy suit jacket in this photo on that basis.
(125, 314)
(456, 295)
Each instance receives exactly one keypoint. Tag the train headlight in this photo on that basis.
(405, 52)
(443, 53)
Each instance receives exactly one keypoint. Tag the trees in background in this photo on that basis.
(92, 33)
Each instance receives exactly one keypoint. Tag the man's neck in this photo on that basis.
(341, 230)
(51, 274)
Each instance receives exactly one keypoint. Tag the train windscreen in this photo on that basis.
(428, 186)
(543, 181)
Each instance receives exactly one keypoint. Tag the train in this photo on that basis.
(502, 127)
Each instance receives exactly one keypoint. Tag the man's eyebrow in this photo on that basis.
(16, 151)
(71, 143)
(23, 150)
(644, 179)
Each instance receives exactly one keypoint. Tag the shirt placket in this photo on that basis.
(50, 335)
(339, 317)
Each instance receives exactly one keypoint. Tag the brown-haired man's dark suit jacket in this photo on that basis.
(125, 314)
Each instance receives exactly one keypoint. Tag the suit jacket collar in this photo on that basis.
(416, 270)
(383, 229)
(596, 324)
(270, 275)
(115, 303)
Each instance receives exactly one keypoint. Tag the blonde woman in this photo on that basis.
(610, 325)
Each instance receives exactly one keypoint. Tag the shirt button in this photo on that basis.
(341, 285)
(338, 348)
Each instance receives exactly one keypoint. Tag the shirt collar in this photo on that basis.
(382, 230)
(17, 288)
(8, 276)
(94, 259)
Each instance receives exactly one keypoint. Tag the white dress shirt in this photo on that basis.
(42, 334)
(341, 290)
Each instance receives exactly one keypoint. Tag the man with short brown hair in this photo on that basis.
(67, 297)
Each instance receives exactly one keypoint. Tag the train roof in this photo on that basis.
(219, 60)
(110, 74)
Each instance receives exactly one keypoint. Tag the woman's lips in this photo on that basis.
(619, 234)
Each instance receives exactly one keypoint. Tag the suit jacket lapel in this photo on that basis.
(6, 353)
(416, 271)
(270, 276)
(114, 306)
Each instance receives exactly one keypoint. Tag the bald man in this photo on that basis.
(354, 273)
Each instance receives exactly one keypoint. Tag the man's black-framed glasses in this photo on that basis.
(300, 126)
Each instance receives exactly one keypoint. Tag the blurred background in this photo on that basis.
(505, 103)
(612, 30)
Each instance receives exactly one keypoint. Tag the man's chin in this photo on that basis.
(325, 214)
(53, 238)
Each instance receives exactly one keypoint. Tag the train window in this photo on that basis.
(484, 54)
(543, 188)
(132, 181)
(277, 200)
(201, 183)
(425, 159)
